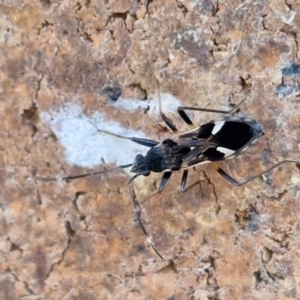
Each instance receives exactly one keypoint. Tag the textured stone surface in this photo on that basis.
(79, 240)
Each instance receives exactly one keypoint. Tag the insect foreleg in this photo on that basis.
(165, 179)
(183, 180)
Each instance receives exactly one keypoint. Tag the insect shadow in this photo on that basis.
(213, 141)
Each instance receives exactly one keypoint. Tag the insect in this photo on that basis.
(210, 142)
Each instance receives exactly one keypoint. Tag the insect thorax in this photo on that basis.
(167, 155)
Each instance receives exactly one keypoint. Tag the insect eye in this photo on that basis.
(145, 173)
(139, 159)
(140, 166)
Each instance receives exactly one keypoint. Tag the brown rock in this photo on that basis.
(79, 240)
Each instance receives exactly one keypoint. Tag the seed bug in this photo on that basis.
(214, 141)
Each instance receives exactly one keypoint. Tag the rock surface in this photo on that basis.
(79, 240)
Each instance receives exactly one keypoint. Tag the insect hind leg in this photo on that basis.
(181, 109)
(233, 181)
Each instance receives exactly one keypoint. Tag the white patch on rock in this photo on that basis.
(86, 146)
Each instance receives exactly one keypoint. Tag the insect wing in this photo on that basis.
(218, 140)
(198, 146)
(235, 134)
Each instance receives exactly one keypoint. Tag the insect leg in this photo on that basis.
(138, 215)
(168, 121)
(164, 181)
(183, 187)
(233, 181)
(183, 180)
(144, 142)
(186, 119)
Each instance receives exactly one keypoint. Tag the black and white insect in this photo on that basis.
(214, 141)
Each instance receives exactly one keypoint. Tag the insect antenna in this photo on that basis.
(167, 120)
(137, 212)
(141, 141)
(72, 177)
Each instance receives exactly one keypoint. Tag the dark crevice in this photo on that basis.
(264, 25)
(263, 277)
(247, 219)
(257, 276)
(39, 85)
(39, 198)
(148, 2)
(122, 16)
(171, 266)
(112, 92)
(87, 37)
(244, 82)
(281, 240)
(70, 233)
(215, 9)
(142, 91)
(114, 16)
(218, 209)
(288, 30)
(82, 32)
(207, 268)
(182, 7)
(272, 277)
(82, 217)
(28, 289)
(46, 24)
(69, 229)
(30, 117)
(279, 196)
(289, 5)
(267, 255)
(14, 247)
(46, 3)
